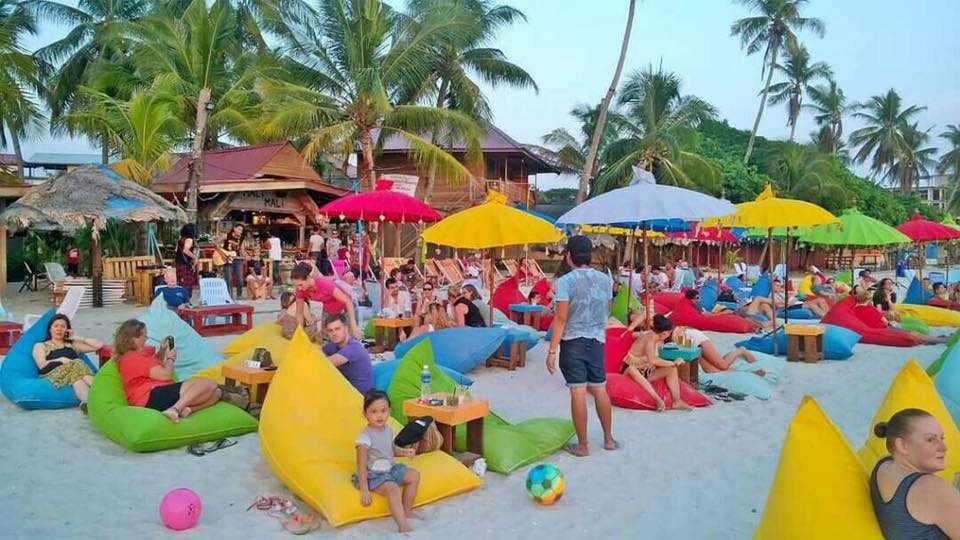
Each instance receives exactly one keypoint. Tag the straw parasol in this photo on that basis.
(88, 196)
(489, 225)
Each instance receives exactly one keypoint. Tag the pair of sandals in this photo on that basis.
(720, 393)
(203, 449)
(291, 519)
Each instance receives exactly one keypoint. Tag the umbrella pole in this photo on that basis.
(920, 260)
(490, 282)
(720, 265)
(96, 269)
(631, 240)
(646, 278)
(770, 262)
(383, 274)
(785, 259)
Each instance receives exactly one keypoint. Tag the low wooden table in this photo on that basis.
(528, 314)
(387, 330)
(9, 333)
(470, 412)
(690, 370)
(241, 319)
(804, 342)
(509, 358)
(256, 380)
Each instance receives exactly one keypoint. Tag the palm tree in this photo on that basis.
(347, 78)
(950, 161)
(590, 160)
(457, 64)
(20, 75)
(800, 173)
(95, 38)
(570, 151)
(799, 73)
(912, 162)
(660, 134)
(773, 28)
(883, 138)
(829, 105)
(143, 131)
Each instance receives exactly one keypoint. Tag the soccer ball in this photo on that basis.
(545, 484)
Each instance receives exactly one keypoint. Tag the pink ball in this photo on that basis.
(180, 509)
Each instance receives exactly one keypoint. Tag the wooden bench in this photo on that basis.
(241, 319)
(125, 269)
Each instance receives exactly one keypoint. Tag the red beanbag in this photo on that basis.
(941, 303)
(618, 342)
(507, 293)
(626, 393)
(842, 314)
(685, 314)
(667, 299)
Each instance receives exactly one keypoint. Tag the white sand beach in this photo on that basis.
(678, 475)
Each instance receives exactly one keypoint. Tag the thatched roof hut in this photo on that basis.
(88, 195)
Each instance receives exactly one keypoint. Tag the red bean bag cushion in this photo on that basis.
(626, 393)
(668, 299)
(542, 288)
(842, 314)
(941, 303)
(618, 342)
(685, 314)
(507, 293)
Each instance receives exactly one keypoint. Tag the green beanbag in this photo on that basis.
(913, 324)
(145, 430)
(619, 308)
(506, 446)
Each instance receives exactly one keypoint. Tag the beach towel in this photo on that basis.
(742, 379)
(193, 352)
(308, 426)
(506, 446)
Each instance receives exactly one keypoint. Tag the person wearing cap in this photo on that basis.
(583, 300)
(866, 280)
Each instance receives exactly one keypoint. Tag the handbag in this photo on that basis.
(413, 432)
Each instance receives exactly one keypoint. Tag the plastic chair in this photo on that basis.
(55, 272)
(753, 272)
(71, 301)
(214, 292)
(31, 281)
(780, 271)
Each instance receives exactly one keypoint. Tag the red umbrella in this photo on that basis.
(706, 235)
(924, 230)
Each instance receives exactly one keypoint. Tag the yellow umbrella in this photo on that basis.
(490, 225)
(619, 231)
(769, 211)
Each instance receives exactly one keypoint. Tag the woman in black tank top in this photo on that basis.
(910, 502)
(465, 312)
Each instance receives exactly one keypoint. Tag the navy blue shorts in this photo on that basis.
(581, 362)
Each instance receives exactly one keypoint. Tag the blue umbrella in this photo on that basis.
(546, 217)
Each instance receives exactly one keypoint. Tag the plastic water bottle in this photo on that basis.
(425, 383)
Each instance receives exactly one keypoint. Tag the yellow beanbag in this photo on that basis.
(913, 388)
(308, 426)
(932, 315)
(820, 489)
(805, 287)
(267, 335)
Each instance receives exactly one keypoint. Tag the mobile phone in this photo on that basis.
(170, 342)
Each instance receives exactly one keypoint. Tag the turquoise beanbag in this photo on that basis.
(383, 374)
(762, 287)
(709, 294)
(838, 343)
(916, 294)
(947, 382)
(20, 381)
(460, 349)
(506, 446)
(145, 430)
(193, 352)
(742, 379)
(799, 313)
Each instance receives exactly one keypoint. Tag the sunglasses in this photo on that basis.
(428, 288)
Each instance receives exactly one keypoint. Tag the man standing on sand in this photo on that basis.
(583, 303)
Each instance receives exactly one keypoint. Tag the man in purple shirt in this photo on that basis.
(348, 354)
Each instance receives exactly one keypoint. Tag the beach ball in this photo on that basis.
(180, 509)
(545, 484)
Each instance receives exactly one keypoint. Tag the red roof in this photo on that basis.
(239, 164)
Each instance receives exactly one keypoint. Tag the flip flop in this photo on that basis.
(203, 449)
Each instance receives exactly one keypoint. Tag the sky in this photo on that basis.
(570, 47)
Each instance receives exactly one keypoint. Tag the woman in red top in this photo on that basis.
(871, 316)
(148, 378)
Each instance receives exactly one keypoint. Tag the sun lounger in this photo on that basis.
(433, 270)
(450, 271)
(511, 266)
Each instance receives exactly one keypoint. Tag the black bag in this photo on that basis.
(413, 432)
(726, 296)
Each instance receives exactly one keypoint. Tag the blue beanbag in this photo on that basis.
(916, 294)
(383, 374)
(838, 343)
(526, 334)
(798, 313)
(20, 381)
(947, 382)
(742, 379)
(460, 349)
(193, 352)
(762, 287)
(709, 294)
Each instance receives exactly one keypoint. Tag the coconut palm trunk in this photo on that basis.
(587, 175)
(15, 142)
(196, 155)
(104, 147)
(432, 174)
(366, 149)
(763, 101)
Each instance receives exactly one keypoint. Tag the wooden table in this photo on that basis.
(804, 342)
(690, 370)
(388, 330)
(9, 333)
(528, 314)
(470, 412)
(256, 380)
(241, 319)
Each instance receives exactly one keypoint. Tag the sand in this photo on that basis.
(678, 475)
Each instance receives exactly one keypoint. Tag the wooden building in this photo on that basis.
(264, 186)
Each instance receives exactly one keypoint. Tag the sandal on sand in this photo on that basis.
(300, 523)
(83, 407)
(203, 449)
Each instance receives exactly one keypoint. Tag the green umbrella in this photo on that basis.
(855, 230)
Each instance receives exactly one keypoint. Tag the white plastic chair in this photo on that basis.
(71, 301)
(780, 271)
(740, 268)
(55, 272)
(214, 292)
(753, 272)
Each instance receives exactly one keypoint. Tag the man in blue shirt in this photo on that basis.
(583, 304)
(173, 294)
(348, 354)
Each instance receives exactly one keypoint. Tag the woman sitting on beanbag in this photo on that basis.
(942, 298)
(816, 304)
(871, 316)
(712, 360)
(756, 306)
(59, 358)
(147, 376)
(644, 365)
(885, 298)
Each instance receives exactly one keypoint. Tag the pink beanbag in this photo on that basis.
(841, 314)
(625, 392)
(685, 314)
